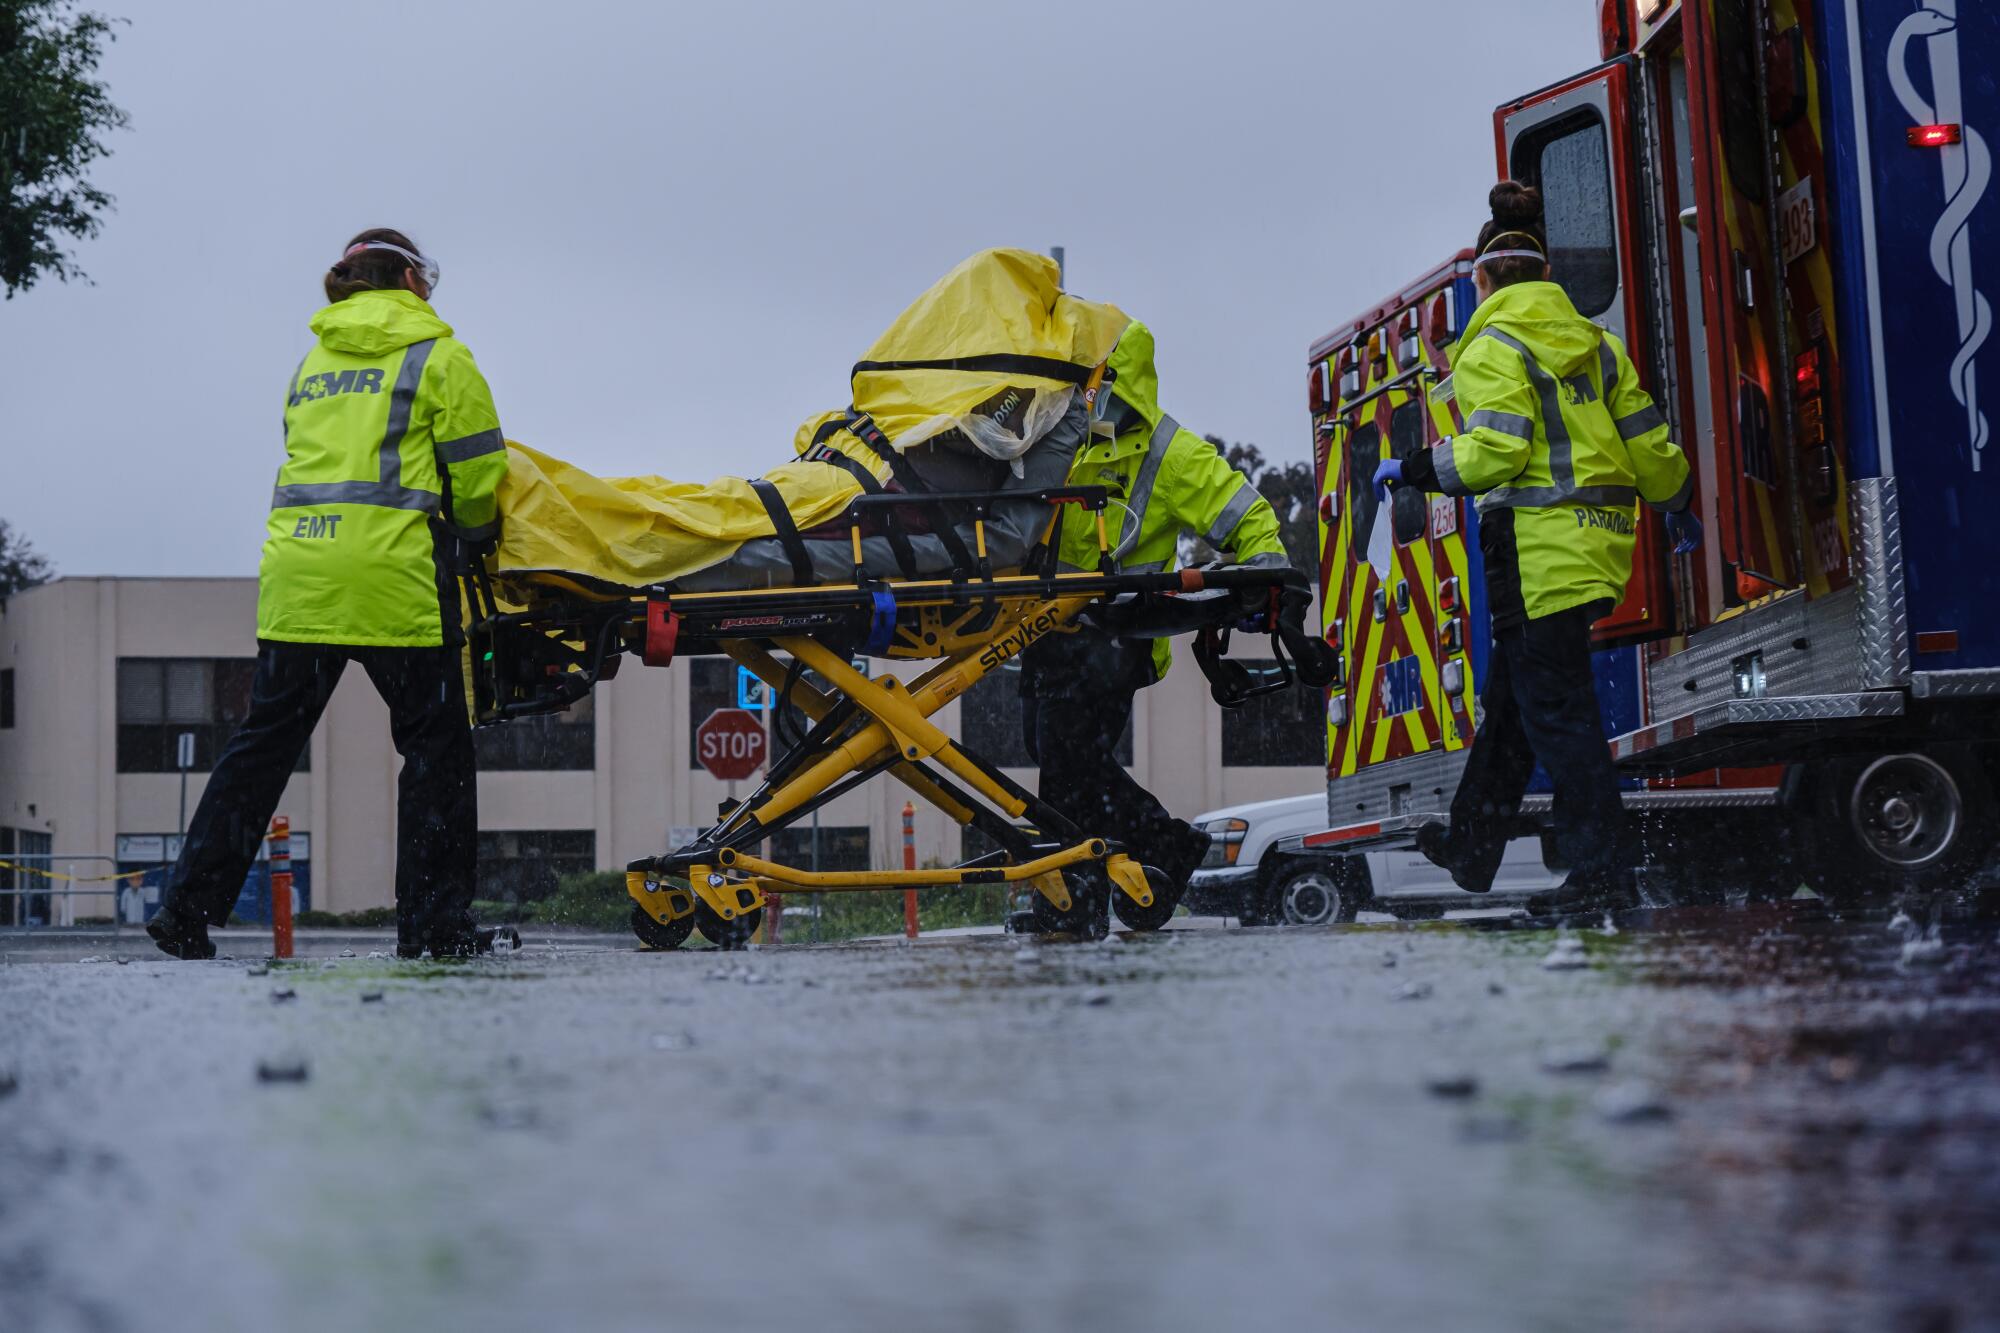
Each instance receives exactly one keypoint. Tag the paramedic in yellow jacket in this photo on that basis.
(1560, 445)
(392, 456)
(1077, 689)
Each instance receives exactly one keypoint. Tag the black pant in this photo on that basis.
(1074, 737)
(1541, 703)
(437, 809)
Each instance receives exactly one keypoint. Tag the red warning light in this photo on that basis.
(1933, 136)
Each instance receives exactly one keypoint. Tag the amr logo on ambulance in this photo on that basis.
(1395, 574)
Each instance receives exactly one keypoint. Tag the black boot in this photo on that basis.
(1184, 855)
(178, 938)
(1602, 891)
(478, 941)
(1434, 844)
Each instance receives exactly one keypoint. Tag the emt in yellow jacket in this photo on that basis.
(1077, 689)
(393, 453)
(1560, 445)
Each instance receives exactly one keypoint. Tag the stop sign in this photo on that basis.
(730, 743)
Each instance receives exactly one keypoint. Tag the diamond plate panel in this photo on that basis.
(1981, 683)
(1431, 778)
(1882, 621)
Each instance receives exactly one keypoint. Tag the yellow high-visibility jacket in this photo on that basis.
(1164, 481)
(388, 425)
(1560, 444)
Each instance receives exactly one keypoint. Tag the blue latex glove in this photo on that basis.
(1389, 473)
(1685, 530)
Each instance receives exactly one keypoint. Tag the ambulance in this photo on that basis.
(1782, 207)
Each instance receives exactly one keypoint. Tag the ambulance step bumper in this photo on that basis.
(1399, 832)
(1749, 732)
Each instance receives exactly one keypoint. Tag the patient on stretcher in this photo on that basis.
(984, 384)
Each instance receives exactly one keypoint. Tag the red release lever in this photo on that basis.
(663, 630)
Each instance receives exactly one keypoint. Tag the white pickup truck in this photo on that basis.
(1259, 872)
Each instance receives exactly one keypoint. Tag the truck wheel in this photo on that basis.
(1895, 822)
(1166, 897)
(732, 934)
(1320, 893)
(656, 935)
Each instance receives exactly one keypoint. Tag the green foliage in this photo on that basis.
(848, 916)
(54, 114)
(21, 566)
(593, 901)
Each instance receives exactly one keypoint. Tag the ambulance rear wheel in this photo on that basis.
(657, 934)
(1890, 823)
(731, 934)
(1166, 898)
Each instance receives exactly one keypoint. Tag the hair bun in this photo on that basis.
(1515, 205)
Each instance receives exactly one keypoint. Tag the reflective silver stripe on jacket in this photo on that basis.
(1548, 497)
(468, 447)
(1504, 423)
(1445, 464)
(1142, 489)
(1643, 422)
(1231, 515)
(1562, 464)
(353, 493)
(388, 492)
(1678, 501)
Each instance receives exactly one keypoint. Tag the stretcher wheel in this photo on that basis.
(1166, 898)
(1088, 915)
(658, 935)
(722, 934)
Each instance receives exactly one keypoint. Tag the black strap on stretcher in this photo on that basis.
(787, 532)
(822, 452)
(943, 520)
(998, 363)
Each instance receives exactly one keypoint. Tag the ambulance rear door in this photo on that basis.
(1573, 141)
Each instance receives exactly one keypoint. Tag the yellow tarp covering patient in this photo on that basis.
(1000, 309)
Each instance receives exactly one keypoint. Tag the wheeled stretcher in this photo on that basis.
(541, 639)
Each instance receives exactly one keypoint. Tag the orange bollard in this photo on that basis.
(281, 887)
(909, 863)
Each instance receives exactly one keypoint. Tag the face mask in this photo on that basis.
(427, 269)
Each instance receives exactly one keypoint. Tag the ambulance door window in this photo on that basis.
(1408, 507)
(1570, 161)
(1695, 370)
(1364, 452)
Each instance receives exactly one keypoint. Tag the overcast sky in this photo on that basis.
(666, 231)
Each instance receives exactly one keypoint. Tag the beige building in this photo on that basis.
(101, 678)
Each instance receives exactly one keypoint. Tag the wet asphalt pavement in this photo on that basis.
(1708, 1119)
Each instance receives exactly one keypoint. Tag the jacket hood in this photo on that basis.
(372, 323)
(1540, 316)
(1137, 384)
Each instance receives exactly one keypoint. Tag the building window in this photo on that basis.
(160, 698)
(521, 866)
(842, 848)
(1283, 729)
(22, 906)
(6, 698)
(565, 740)
(1570, 161)
(989, 722)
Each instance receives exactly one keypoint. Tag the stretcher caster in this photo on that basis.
(1088, 915)
(731, 934)
(1166, 898)
(657, 934)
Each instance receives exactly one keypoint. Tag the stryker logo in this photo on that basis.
(1017, 638)
(318, 525)
(1402, 686)
(1611, 520)
(331, 382)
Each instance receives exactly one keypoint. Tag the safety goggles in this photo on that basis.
(427, 268)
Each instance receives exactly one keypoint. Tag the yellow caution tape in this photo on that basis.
(75, 879)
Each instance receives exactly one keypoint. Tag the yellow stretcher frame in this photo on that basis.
(573, 631)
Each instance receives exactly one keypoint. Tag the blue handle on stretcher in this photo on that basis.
(881, 625)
